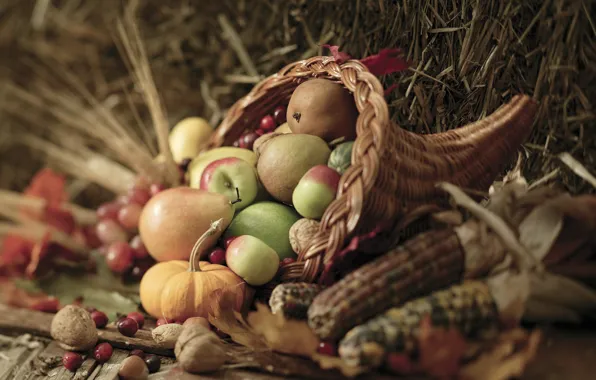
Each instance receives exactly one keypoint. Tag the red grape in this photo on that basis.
(267, 124)
(156, 188)
(139, 250)
(90, 235)
(279, 114)
(248, 140)
(229, 241)
(103, 352)
(108, 211)
(137, 317)
(139, 196)
(123, 199)
(139, 269)
(327, 348)
(108, 231)
(100, 318)
(129, 216)
(72, 361)
(128, 326)
(119, 257)
(217, 256)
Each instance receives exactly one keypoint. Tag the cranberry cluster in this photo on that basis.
(117, 231)
(127, 326)
(267, 125)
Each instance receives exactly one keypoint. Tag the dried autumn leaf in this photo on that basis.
(11, 294)
(340, 57)
(283, 335)
(507, 359)
(387, 61)
(48, 185)
(440, 350)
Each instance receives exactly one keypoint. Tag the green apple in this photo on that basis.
(268, 221)
(253, 260)
(315, 191)
(232, 177)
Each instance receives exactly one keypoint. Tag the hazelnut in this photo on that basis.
(73, 329)
(197, 320)
(302, 232)
(133, 368)
(199, 350)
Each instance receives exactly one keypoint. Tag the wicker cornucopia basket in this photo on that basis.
(393, 170)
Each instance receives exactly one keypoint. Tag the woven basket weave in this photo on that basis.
(392, 170)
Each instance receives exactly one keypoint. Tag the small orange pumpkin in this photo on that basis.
(178, 290)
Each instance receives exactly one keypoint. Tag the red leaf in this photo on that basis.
(60, 219)
(388, 61)
(48, 185)
(37, 253)
(11, 295)
(340, 57)
(14, 255)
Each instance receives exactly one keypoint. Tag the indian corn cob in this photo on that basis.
(293, 299)
(433, 260)
(469, 307)
(430, 261)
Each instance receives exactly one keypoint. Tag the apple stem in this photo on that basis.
(237, 197)
(195, 256)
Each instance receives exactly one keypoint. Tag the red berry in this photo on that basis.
(137, 317)
(90, 235)
(128, 326)
(129, 216)
(161, 321)
(103, 352)
(108, 231)
(72, 361)
(327, 348)
(153, 363)
(137, 352)
(217, 256)
(399, 364)
(249, 140)
(156, 188)
(229, 241)
(260, 132)
(100, 318)
(138, 248)
(119, 257)
(139, 196)
(287, 261)
(108, 210)
(279, 114)
(267, 124)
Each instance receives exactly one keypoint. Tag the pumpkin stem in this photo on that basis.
(193, 265)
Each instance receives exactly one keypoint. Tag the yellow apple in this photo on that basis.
(188, 136)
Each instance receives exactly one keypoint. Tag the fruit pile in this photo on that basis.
(247, 210)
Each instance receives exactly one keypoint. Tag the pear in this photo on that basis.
(285, 158)
(174, 219)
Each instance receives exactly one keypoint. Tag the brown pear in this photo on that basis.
(284, 159)
(323, 108)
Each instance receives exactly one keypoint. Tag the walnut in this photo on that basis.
(73, 329)
(302, 232)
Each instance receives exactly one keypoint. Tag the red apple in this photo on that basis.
(231, 176)
(315, 191)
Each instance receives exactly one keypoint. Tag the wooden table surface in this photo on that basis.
(565, 354)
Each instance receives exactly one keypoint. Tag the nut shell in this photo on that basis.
(73, 329)
(302, 232)
(199, 350)
(133, 368)
(166, 335)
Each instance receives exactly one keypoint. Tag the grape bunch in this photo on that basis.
(267, 125)
(117, 231)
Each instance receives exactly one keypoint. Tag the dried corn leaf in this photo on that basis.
(283, 335)
(578, 168)
(540, 229)
(508, 359)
